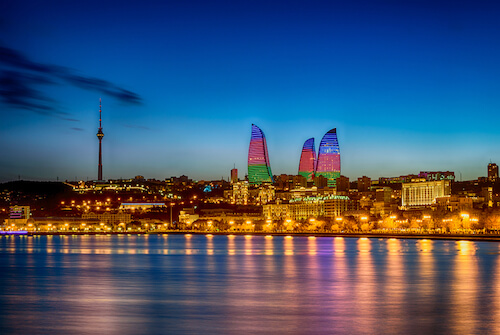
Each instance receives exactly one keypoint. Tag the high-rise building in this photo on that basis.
(234, 175)
(259, 169)
(307, 164)
(328, 164)
(100, 135)
(492, 172)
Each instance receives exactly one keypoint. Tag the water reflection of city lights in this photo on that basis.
(466, 248)
(311, 245)
(364, 245)
(425, 245)
(339, 245)
(393, 246)
(269, 245)
(288, 245)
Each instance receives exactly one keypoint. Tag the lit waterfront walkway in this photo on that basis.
(462, 235)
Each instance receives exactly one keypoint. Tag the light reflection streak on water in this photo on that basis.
(210, 245)
(269, 245)
(311, 246)
(231, 249)
(464, 288)
(394, 286)
(288, 245)
(342, 288)
(365, 298)
(189, 244)
(248, 245)
(426, 283)
(339, 245)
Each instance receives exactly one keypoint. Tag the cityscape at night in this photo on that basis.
(276, 167)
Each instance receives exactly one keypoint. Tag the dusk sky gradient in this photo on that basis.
(410, 86)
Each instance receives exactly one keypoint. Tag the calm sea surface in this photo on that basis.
(181, 284)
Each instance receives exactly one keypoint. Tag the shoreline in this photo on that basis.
(451, 237)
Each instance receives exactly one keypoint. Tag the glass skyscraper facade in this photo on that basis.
(259, 169)
(307, 164)
(328, 164)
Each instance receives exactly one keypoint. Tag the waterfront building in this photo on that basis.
(19, 212)
(307, 164)
(259, 169)
(111, 219)
(492, 172)
(142, 206)
(328, 164)
(18, 216)
(328, 206)
(421, 194)
(187, 216)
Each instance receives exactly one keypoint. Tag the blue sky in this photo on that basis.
(410, 86)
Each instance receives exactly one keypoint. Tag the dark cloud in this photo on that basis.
(103, 86)
(16, 90)
(77, 129)
(15, 59)
(18, 84)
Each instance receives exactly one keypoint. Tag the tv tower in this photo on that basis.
(100, 135)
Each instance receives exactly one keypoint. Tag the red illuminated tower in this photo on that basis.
(100, 135)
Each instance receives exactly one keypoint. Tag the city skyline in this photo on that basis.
(410, 86)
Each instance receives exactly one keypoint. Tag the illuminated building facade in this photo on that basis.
(259, 169)
(329, 206)
(307, 164)
(328, 164)
(239, 195)
(421, 194)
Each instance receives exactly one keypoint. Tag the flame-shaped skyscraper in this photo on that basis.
(328, 164)
(259, 169)
(307, 164)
